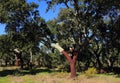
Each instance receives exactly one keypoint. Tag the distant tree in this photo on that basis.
(5, 46)
(24, 26)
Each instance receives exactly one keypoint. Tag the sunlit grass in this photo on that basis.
(5, 79)
(48, 76)
(58, 78)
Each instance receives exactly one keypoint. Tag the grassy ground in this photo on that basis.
(8, 75)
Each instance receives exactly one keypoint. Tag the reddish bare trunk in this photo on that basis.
(73, 70)
(72, 62)
(17, 62)
(67, 56)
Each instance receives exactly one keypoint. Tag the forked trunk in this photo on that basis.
(72, 62)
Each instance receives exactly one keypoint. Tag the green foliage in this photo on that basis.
(81, 23)
(91, 72)
(64, 67)
(25, 28)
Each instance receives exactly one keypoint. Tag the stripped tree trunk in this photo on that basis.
(17, 62)
(19, 59)
(72, 61)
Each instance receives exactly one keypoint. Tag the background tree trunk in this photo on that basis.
(17, 62)
(31, 59)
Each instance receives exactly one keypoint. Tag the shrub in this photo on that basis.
(91, 72)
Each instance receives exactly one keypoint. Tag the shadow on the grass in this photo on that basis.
(7, 72)
(19, 72)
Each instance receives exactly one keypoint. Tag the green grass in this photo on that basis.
(4, 80)
(49, 76)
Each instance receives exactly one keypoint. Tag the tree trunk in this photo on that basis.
(99, 63)
(19, 58)
(98, 60)
(72, 62)
(21, 63)
(13, 63)
(31, 59)
(17, 62)
(0, 62)
(6, 62)
(73, 69)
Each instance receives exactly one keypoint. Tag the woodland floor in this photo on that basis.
(13, 75)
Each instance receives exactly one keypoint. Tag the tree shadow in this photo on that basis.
(117, 71)
(19, 72)
(118, 76)
(6, 72)
(114, 71)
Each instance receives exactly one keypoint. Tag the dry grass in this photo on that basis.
(61, 78)
(58, 77)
